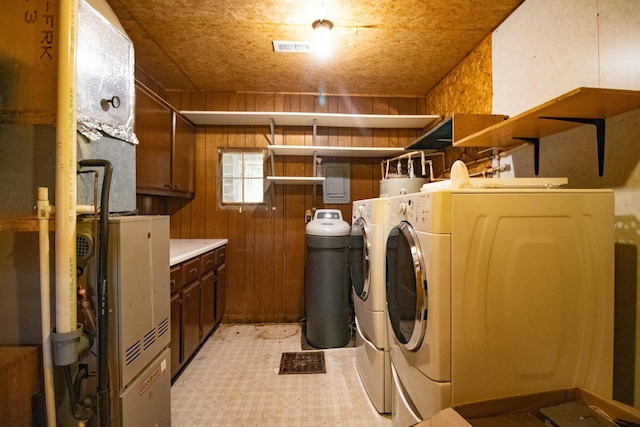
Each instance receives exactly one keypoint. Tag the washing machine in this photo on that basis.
(497, 288)
(366, 265)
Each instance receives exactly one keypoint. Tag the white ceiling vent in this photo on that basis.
(293, 47)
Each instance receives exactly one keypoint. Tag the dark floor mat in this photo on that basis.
(305, 362)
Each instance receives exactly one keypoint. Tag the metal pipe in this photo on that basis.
(44, 210)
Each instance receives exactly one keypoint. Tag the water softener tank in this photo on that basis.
(327, 287)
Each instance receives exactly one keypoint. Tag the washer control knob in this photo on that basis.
(402, 207)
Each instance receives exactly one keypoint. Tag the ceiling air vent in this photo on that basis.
(293, 47)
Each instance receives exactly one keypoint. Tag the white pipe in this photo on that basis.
(45, 304)
(85, 209)
(65, 266)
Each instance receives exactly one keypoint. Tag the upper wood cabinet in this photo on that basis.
(165, 157)
(184, 156)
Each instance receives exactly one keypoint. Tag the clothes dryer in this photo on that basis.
(366, 265)
(498, 291)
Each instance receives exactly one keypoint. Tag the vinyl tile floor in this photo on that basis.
(233, 381)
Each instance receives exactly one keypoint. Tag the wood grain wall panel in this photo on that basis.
(216, 219)
(266, 250)
(236, 292)
(197, 101)
(279, 250)
(174, 206)
(185, 219)
(248, 217)
(264, 258)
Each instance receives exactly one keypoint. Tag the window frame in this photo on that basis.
(221, 178)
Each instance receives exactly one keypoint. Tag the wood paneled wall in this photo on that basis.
(266, 251)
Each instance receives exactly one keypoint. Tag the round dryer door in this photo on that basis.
(406, 286)
(359, 252)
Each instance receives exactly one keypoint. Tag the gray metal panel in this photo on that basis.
(336, 187)
(28, 161)
(147, 402)
(122, 156)
(139, 262)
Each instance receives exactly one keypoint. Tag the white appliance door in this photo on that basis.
(407, 295)
(418, 298)
(360, 259)
(532, 293)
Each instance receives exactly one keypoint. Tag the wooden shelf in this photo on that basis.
(573, 109)
(453, 129)
(324, 150)
(296, 180)
(23, 223)
(259, 118)
(583, 102)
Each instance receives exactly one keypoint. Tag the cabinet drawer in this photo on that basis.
(208, 261)
(175, 278)
(191, 269)
(221, 256)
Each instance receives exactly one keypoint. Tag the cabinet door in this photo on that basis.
(190, 319)
(208, 283)
(221, 291)
(184, 156)
(153, 153)
(175, 281)
(176, 326)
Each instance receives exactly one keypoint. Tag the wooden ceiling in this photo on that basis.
(380, 47)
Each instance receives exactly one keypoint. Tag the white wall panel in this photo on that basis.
(513, 47)
(619, 25)
(544, 49)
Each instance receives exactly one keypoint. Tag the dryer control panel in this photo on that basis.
(362, 209)
(425, 211)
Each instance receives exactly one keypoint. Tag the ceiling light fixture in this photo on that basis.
(322, 26)
(322, 36)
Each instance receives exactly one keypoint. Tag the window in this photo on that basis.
(241, 177)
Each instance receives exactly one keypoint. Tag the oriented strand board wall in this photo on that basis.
(467, 88)
(265, 255)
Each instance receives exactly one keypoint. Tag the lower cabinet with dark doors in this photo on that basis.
(198, 288)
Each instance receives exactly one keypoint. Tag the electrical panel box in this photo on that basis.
(336, 186)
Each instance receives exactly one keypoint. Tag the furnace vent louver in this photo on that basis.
(292, 47)
(149, 338)
(163, 327)
(132, 353)
(84, 247)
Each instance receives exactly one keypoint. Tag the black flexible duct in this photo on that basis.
(103, 301)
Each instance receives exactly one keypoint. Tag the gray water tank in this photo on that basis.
(327, 287)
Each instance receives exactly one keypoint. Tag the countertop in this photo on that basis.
(184, 249)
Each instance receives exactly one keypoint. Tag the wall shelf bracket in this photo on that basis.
(272, 125)
(536, 151)
(315, 132)
(600, 131)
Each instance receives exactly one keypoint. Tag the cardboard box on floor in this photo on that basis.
(525, 410)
